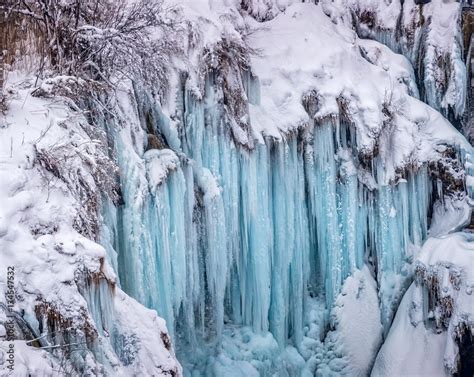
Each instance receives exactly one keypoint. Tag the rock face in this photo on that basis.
(287, 196)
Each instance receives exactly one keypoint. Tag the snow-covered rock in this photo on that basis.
(435, 314)
(65, 298)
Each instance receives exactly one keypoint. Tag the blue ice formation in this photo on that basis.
(237, 237)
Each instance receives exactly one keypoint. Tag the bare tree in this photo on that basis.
(98, 40)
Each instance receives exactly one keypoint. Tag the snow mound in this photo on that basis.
(355, 320)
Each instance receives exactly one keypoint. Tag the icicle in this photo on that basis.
(240, 237)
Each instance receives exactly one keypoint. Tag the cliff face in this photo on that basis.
(272, 193)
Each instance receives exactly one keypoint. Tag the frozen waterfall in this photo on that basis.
(216, 235)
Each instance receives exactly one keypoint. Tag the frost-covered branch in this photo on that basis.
(94, 39)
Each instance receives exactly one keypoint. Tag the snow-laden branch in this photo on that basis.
(93, 40)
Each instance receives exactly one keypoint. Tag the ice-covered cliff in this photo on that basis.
(286, 194)
(64, 312)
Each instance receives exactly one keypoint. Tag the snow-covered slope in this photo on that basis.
(428, 33)
(69, 314)
(297, 58)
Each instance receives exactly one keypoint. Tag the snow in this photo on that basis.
(396, 65)
(426, 35)
(356, 319)
(52, 259)
(293, 57)
(417, 343)
(29, 361)
(296, 58)
(273, 234)
(449, 216)
(159, 163)
(410, 350)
